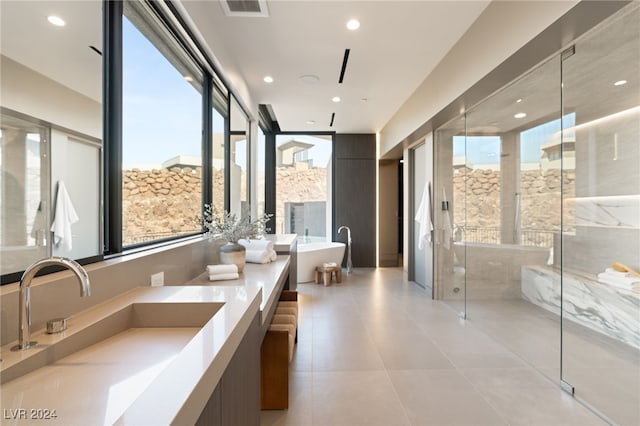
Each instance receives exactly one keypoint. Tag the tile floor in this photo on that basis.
(376, 350)
(604, 372)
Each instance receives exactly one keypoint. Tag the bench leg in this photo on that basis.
(327, 279)
(318, 277)
(339, 276)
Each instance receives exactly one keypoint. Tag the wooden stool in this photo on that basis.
(325, 273)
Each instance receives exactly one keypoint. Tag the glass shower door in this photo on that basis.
(601, 220)
(449, 194)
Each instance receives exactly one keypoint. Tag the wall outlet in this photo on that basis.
(157, 280)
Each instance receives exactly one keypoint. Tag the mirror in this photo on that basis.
(51, 122)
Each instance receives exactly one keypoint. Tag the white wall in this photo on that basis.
(502, 29)
(196, 15)
(29, 92)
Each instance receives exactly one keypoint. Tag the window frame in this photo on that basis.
(214, 91)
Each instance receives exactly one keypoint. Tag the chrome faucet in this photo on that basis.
(24, 330)
(349, 264)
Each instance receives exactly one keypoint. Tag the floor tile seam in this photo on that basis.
(386, 372)
(397, 394)
(548, 385)
(485, 398)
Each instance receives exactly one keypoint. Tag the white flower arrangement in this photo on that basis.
(229, 227)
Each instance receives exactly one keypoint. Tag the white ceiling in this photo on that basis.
(397, 45)
(60, 53)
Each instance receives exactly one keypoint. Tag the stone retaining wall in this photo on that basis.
(477, 200)
(163, 202)
(168, 201)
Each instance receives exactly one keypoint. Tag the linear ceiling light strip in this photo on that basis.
(344, 65)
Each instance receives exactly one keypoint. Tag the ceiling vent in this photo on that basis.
(246, 8)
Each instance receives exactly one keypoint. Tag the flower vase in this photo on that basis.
(233, 254)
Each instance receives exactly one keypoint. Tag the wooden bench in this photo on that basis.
(325, 272)
(275, 355)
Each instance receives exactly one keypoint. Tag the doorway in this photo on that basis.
(421, 214)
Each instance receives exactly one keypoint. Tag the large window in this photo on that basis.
(260, 173)
(239, 160)
(217, 161)
(303, 200)
(162, 132)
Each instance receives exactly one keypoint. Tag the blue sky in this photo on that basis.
(486, 149)
(162, 111)
(162, 116)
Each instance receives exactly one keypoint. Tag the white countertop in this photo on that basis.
(268, 278)
(153, 376)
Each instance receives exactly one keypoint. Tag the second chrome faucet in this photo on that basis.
(349, 264)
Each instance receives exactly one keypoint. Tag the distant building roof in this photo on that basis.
(293, 143)
(182, 161)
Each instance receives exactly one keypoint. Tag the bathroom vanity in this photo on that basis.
(178, 354)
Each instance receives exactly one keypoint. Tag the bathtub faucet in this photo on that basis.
(349, 264)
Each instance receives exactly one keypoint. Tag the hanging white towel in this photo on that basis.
(423, 217)
(65, 216)
(447, 229)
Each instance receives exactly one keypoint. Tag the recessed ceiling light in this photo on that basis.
(519, 100)
(188, 78)
(309, 78)
(268, 79)
(353, 24)
(620, 82)
(336, 99)
(311, 122)
(56, 20)
(520, 115)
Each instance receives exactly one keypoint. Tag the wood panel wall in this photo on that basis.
(354, 190)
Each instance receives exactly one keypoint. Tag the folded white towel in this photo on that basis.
(223, 277)
(260, 256)
(618, 279)
(222, 269)
(65, 216)
(257, 244)
(613, 272)
(617, 284)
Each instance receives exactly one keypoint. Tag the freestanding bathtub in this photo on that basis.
(311, 255)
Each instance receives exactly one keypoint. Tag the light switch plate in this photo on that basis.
(157, 280)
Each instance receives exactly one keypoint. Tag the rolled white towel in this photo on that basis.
(223, 277)
(259, 245)
(222, 269)
(258, 256)
(274, 256)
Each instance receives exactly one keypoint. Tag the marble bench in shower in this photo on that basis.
(597, 306)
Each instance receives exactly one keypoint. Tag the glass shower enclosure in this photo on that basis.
(538, 225)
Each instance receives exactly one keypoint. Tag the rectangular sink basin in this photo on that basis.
(112, 360)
